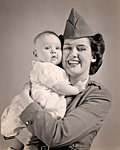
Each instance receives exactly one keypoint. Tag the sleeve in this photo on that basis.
(79, 121)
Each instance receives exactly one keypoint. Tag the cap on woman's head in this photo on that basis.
(76, 26)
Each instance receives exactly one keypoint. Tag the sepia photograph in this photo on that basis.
(59, 75)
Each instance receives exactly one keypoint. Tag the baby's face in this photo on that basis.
(49, 49)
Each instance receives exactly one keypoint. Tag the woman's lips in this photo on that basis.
(73, 62)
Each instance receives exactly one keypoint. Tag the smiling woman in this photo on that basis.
(77, 58)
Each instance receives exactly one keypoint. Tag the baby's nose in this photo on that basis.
(53, 50)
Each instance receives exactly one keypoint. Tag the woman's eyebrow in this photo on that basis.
(82, 45)
(67, 44)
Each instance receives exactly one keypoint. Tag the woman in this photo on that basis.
(82, 56)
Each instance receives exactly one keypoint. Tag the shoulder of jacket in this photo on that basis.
(96, 87)
(94, 90)
(95, 84)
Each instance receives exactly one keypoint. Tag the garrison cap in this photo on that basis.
(76, 27)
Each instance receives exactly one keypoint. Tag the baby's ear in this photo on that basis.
(35, 53)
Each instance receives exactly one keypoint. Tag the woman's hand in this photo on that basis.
(24, 136)
(27, 138)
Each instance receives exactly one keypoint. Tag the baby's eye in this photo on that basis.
(47, 47)
(58, 48)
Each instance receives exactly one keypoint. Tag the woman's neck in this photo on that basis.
(74, 79)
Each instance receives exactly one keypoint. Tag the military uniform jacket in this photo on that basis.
(82, 121)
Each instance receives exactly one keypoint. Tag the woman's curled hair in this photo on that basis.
(98, 48)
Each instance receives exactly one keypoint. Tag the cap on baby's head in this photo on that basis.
(76, 26)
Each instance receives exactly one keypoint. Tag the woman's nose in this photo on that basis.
(74, 52)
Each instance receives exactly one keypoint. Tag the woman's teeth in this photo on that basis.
(74, 62)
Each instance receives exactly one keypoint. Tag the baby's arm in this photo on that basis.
(62, 87)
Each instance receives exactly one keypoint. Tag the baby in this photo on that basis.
(49, 86)
(50, 82)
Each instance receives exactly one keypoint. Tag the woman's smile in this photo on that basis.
(73, 62)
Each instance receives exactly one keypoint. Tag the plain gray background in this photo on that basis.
(21, 20)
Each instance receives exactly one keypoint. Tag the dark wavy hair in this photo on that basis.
(98, 48)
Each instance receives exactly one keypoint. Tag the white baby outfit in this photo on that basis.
(43, 76)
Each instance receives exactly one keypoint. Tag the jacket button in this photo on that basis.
(29, 122)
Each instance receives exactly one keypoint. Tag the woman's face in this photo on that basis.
(77, 57)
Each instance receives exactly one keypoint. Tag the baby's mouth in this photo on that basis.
(54, 57)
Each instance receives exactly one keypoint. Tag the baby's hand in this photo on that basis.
(25, 91)
(81, 85)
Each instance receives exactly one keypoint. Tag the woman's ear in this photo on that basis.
(35, 53)
(93, 59)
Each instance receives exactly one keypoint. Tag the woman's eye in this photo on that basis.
(67, 48)
(81, 48)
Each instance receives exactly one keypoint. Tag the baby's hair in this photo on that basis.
(44, 33)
